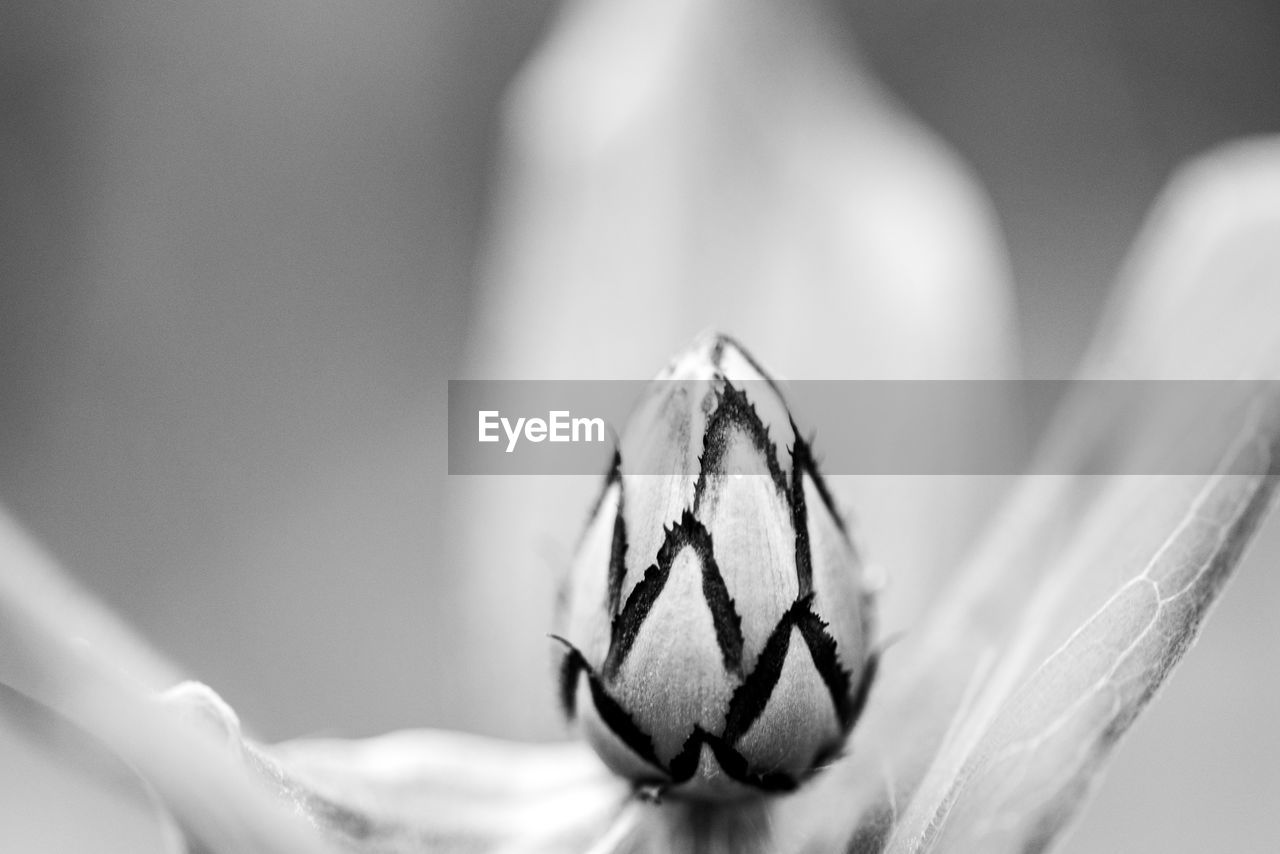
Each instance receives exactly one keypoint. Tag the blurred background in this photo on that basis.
(239, 253)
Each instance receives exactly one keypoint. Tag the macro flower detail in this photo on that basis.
(716, 625)
(284, 527)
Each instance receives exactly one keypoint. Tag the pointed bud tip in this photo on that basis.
(714, 354)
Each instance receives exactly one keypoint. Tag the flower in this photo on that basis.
(836, 238)
(718, 629)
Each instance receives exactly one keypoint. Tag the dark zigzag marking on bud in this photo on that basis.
(822, 647)
(685, 764)
(611, 476)
(687, 533)
(717, 353)
(618, 548)
(571, 666)
(614, 475)
(800, 463)
(616, 568)
(626, 625)
(751, 697)
(734, 410)
(613, 715)
(802, 458)
(724, 614)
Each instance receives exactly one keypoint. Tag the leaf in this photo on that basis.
(991, 723)
(1034, 753)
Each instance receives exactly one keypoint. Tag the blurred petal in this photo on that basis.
(404, 792)
(63, 792)
(1202, 274)
(672, 166)
(30, 579)
(426, 790)
(199, 780)
(993, 719)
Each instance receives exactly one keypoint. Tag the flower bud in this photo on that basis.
(716, 627)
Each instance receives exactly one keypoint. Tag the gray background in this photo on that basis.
(236, 241)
